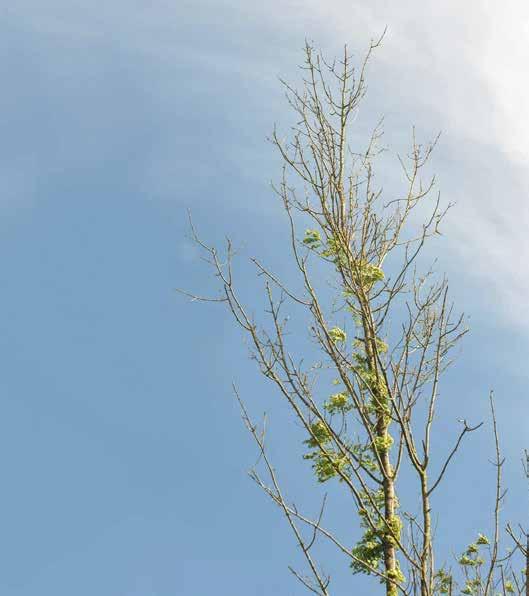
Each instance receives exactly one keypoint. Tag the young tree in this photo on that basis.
(368, 404)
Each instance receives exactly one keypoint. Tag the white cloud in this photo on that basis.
(455, 66)
(459, 67)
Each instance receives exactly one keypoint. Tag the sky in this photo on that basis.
(122, 455)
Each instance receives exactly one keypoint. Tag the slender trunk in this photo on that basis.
(381, 432)
(426, 562)
(390, 555)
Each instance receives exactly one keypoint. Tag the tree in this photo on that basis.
(379, 371)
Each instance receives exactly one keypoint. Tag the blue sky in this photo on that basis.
(122, 454)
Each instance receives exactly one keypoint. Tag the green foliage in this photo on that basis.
(320, 434)
(364, 274)
(471, 586)
(382, 346)
(337, 335)
(394, 529)
(383, 443)
(442, 582)
(369, 551)
(368, 554)
(335, 252)
(471, 558)
(312, 239)
(465, 560)
(326, 461)
(368, 378)
(327, 464)
(338, 403)
(468, 561)
(374, 385)
(397, 575)
(369, 274)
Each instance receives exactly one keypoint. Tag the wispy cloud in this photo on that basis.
(459, 68)
(204, 77)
